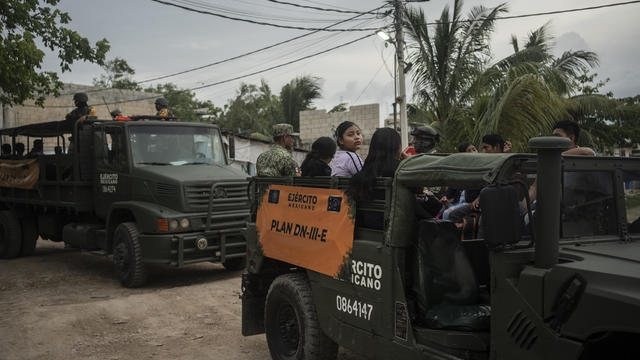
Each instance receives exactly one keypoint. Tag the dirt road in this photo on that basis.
(66, 304)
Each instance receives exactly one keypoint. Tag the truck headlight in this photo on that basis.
(173, 224)
(184, 223)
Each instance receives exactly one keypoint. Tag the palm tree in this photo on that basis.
(522, 95)
(447, 60)
(298, 95)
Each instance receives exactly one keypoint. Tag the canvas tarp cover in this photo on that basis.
(459, 171)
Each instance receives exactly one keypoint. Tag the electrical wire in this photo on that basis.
(238, 56)
(544, 13)
(369, 84)
(253, 21)
(208, 6)
(315, 7)
(231, 79)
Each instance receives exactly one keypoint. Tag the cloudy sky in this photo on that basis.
(157, 40)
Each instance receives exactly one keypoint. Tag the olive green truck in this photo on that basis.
(551, 277)
(145, 190)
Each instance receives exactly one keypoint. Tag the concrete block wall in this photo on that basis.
(317, 123)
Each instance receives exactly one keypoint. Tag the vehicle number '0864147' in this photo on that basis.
(354, 307)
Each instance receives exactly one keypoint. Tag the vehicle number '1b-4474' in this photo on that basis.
(354, 307)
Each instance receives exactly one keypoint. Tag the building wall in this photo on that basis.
(248, 150)
(56, 108)
(317, 123)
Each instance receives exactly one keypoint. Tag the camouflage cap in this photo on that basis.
(282, 130)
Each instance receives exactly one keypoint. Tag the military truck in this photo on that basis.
(551, 277)
(146, 191)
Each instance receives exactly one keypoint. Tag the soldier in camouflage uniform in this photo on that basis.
(82, 109)
(161, 107)
(278, 160)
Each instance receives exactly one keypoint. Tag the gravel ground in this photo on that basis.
(67, 304)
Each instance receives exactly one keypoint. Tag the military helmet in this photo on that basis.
(426, 138)
(282, 130)
(162, 102)
(425, 132)
(116, 112)
(80, 97)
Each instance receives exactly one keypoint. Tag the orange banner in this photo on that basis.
(22, 174)
(307, 227)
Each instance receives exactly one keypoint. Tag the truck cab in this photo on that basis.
(146, 191)
(551, 277)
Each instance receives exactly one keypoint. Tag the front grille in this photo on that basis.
(226, 196)
(166, 189)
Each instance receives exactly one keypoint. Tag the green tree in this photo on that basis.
(298, 95)
(254, 109)
(446, 59)
(118, 75)
(184, 105)
(524, 94)
(342, 107)
(24, 25)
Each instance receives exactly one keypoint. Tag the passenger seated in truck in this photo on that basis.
(18, 150)
(384, 157)
(37, 148)
(6, 151)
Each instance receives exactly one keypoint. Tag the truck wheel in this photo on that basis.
(291, 322)
(235, 264)
(127, 256)
(10, 235)
(29, 227)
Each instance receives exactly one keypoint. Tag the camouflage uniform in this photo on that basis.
(278, 161)
(82, 109)
(161, 106)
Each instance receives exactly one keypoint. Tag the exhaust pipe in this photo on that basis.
(548, 198)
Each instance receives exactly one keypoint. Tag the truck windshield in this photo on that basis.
(175, 145)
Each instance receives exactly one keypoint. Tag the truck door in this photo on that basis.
(113, 179)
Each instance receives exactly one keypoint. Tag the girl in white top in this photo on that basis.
(346, 162)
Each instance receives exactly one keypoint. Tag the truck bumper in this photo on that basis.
(181, 248)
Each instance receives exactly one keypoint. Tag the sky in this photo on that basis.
(157, 39)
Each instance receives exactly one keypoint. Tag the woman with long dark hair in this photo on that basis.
(317, 161)
(346, 162)
(385, 152)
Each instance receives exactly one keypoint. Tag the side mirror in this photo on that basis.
(232, 147)
(501, 221)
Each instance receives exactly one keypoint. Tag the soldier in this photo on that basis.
(278, 160)
(425, 139)
(161, 107)
(82, 110)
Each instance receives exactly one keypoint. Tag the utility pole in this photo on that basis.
(402, 96)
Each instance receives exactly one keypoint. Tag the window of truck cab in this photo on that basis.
(176, 146)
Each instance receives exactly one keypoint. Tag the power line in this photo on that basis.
(370, 82)
(546, 13)
(256, 15)
(315, 7)
(253, 21)
(241, 55)
(231, 79)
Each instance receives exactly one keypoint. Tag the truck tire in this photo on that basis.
(29, 227)
(235, 264)
(127, 256)
(10, 235)
(291, 322)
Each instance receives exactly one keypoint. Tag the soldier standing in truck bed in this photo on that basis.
(278, 160)
(162, 107)
(82, 109)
